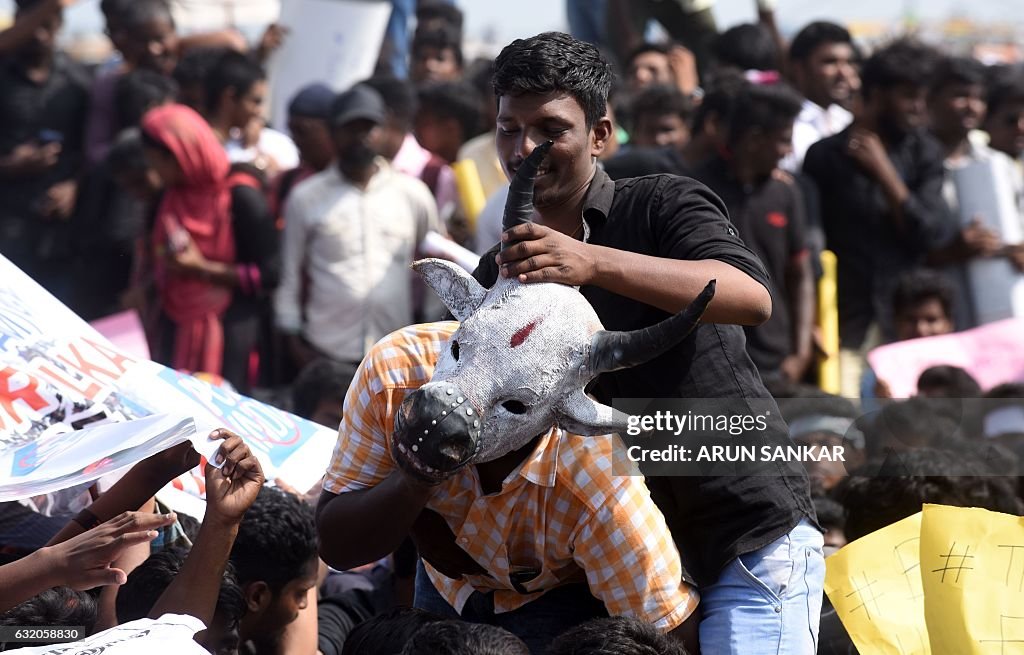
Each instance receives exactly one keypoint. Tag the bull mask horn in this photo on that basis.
(519, 204)
(611, 351)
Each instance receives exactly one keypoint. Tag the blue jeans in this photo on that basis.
(767, 601)
(537, 623)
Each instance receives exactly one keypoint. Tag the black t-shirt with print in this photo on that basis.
(713, 519)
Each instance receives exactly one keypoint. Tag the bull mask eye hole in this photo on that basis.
(455, 350)
(514, 407)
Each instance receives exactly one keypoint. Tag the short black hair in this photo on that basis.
(140, 12)
(461, 638)
(958, 70)
(902, 62)
(645, 47)
(831, 514)
(319, 380)
(232, 70)
(139, 91)
(763, 107)
(719, 97)
(276, 541)
(615, 635)
(659, 100)
(952, 381)
(25, 5)
(195, 65)
(921, 285)
(428, 10)
(814, 35)
(747, 46)
(127, 155)
(57, 606)
(149, 580)
(398, 95)
(1005, 85)
(388, 632)
(883, 492)
(455, 100)
(914, 422)
(555, 61)
(442, 37)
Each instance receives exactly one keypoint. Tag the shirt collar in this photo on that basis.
(598, 201)
(541, 467)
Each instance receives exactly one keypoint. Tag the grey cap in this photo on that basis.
(359, 102)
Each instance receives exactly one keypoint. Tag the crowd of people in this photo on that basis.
(279, 262)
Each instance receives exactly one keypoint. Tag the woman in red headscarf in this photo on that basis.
(215, 248)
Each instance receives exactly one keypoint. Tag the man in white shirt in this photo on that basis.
(823, 66)
(351, 232)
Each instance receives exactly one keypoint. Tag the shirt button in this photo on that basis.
(778, 609)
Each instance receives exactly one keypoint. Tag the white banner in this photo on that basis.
(58, 375)
(171, 634)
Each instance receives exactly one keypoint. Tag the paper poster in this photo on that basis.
(59, 375)
(125, 331)
(171, 634)
(874, 584)
(992, 354)
(339, 44)
(972, 567)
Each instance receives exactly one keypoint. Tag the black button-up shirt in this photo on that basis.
(713, 519)
(859, 227)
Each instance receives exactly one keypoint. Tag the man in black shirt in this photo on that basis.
(881, 195)
(43, 99)
(649, 245)
(767, 208)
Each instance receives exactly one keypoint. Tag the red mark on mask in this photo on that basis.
(522, 333)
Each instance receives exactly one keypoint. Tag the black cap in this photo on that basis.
(313, 101)
(359, 102)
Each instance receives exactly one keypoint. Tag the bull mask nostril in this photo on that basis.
(455, 350)
(514, 407)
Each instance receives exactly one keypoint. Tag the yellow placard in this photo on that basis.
(875, 585)
(972, 567)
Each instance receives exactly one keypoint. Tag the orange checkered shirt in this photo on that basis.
(562, 513)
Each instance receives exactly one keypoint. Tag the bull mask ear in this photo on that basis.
(581, 415)
(458, 290)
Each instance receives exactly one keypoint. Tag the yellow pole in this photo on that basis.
(828, 323)
(471, 190)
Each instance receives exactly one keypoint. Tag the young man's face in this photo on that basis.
(957, 108)
(648, 69)
(44, 37)
(248, 106)
(1005, 128)
(152, 45)
(658, 130)
(356, 143)
(432, 64)
(440, 136)
(904, 107)
(268, 614)
(829, 75)
(528, 120)
(313, 139)
(925, 319)
(764, 150)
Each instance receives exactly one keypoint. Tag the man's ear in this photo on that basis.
(600, 134)
(257, 597)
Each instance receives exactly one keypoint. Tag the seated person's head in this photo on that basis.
(275, 560)
(388, 632)
(129, 167)
(43, 40)
(894, 86)
(649, 65)
(711, 118)
(436, 55)
(922, 305)
(1004, 121)
(831, 517)
(139, 91)
(149, 580)
(53, 607)
(616, 635)
(447, 117)
(823, 62)
(318, 393)
(761, 126)
(235, 88)
(906, 425)
(883, 492)
(147, 35)
(661, 118)
(434, 14)
(191, 73)
(947, 382)
(829, 422)
(747, 47)
(400, 98)
(461, 638)
(956, 101)
(309, 115)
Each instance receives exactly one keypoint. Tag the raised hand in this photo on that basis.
(232, 489)
(541, 254)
